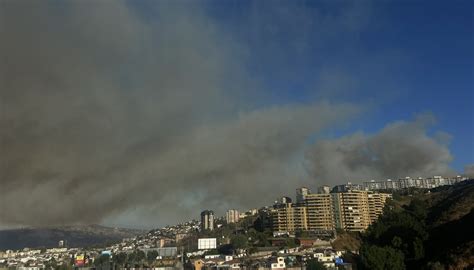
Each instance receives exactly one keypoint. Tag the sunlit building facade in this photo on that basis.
(351, 210)
(232, 216)
(289, 218)
(320, 212)
(207, 220)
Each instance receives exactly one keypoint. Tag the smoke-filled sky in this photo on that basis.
(143, 113)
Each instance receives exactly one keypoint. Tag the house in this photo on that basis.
(198, 264)
(326, 257)
(306, 242)
(278, 242)
(231, 264)
(277, 263)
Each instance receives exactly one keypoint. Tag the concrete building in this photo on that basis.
(283, 200)
(351, 210)
(287, 217)
(324, 189)
(277, 263)
(408, 182)
(232, 216)
(207, 243)
(376, 204)
(347, 187)
(320, 212)
(248, 213)
(301, 194)
(207, 220)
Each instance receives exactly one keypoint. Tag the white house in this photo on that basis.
(278, 263)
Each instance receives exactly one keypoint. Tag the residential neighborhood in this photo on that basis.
(285, 235)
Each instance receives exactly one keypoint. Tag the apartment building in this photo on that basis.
(232, 216)
(287, 217)
(376, 204)
(320, 212)
(207, 220)
(352, 210)
(301, 194)
(408, 182)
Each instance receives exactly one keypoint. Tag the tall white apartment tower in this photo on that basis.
(207, 220)
(232, 216)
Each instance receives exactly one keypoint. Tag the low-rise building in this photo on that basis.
(277, 263)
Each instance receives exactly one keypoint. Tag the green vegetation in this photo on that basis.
(380, 258)
(102, 260)
(314, 264)
(290, 243)
(151, 256)
(138, 258)
(239, 241)
(409, 235)
(120, 258)
(53, 264)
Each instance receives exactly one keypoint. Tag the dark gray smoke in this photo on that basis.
(400, 149)
(109, 116)
(469, 171)
(105, 113)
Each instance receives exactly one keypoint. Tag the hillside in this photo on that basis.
(450, 221)
(450, 203)
(427, 231)
(76, 236)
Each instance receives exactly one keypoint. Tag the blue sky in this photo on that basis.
(402, 57)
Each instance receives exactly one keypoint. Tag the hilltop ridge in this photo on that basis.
(74, 235)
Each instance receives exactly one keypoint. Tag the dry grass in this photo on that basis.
(347, 241)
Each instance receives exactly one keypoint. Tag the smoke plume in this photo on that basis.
(109, 114)
(104, 112)
(469, 171)
(400, 149)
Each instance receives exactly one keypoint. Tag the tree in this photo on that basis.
(314, 264)
(252, 250)
(141, 256)
(403, 230)
(226, 249)
(102, 259)
(435, 266)
(261, 239)
(290, 243)
(239, 241)
(132, 257)
(418, 249)
(252, 234)
(302, 234)
(120, 258)
(64, 266)
(397, 242)
(380, 258)
(418, 208)
(247, 222)
(51, 264)
(151, 256)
